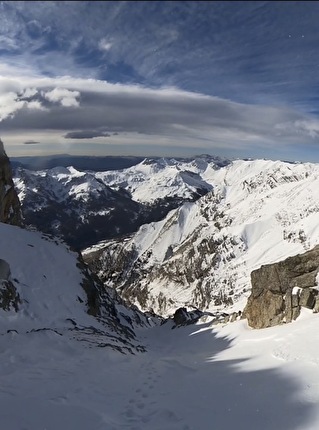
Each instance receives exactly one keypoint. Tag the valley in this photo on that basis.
(95, 346)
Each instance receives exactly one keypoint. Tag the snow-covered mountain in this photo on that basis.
(44, 286)
(56, 374)
(202, 254)
(86, 207)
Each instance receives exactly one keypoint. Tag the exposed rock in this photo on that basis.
(307, 298)
(144, 278)
(279, 290)
(105, 304)
(4, 270)
(234, 316)
(10, 212)
(316, 306)
(9, 297)
(184, 317)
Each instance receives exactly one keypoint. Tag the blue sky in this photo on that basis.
(237, 79)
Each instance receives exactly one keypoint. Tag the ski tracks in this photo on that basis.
(147, 408)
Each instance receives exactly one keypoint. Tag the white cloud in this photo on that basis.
(29, 92)
(105, 45)
(35, 104)
(139, 115)
(64, 96)
(9, 105)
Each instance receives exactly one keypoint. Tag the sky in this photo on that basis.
(234, 79)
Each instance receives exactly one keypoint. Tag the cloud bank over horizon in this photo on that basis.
(154, 79)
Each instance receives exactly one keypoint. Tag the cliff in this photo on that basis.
(279, 290)
(10, 212)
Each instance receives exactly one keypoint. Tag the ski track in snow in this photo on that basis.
(191, 378)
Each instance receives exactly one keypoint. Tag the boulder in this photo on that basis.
(181, 316)
(184, 317)
(279, 290)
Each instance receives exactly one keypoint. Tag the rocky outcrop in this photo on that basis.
(9, 297)
(184, 317)
(10, 213)
(279, 290)
(9, 203)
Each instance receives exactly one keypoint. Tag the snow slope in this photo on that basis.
(197, 377)
(58, 295)
(192, 378)
(202, 253)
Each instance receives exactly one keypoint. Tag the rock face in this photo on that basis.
(9, 298)
(184, 317)
(10, 214)
(279, 290)
(9, 203)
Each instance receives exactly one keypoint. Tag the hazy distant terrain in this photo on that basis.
(79, 162)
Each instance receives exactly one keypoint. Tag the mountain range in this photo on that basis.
(45, 286)
(74, 355)
(84, 207)
(202, 253)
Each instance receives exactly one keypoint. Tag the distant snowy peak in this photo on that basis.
(155, 179)
(86, 207)
(258, 212)
(59, 183)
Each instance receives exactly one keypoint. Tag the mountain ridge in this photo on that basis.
(45, 286)
(107, 204)
(202, 253)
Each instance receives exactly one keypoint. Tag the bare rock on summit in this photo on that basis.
(10, 212)
(279, 290)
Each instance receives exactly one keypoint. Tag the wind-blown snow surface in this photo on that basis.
(192, 378)
(202, 254)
